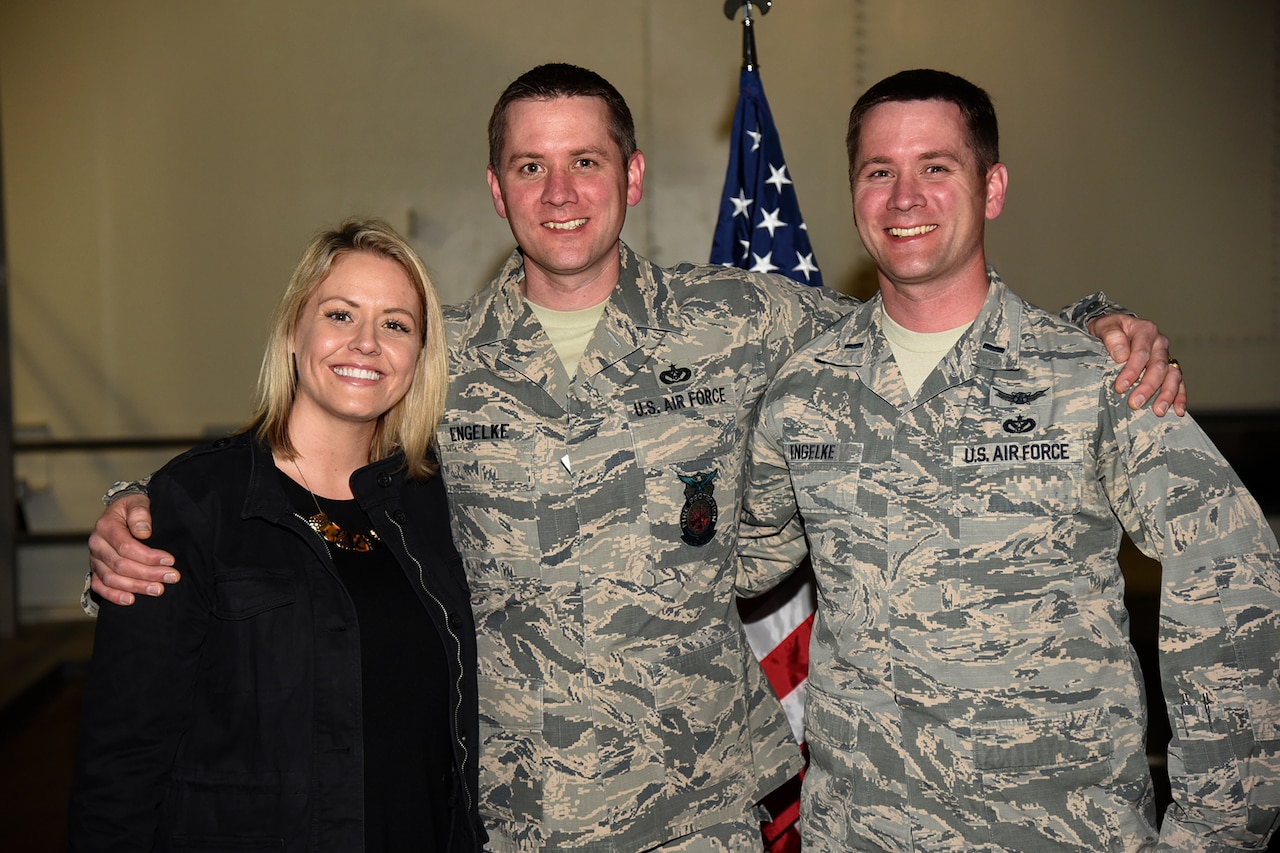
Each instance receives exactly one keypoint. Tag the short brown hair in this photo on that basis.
(923, 84)
(561, 80)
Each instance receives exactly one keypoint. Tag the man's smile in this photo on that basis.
(910, 232)
(571, 225)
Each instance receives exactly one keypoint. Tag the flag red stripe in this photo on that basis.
(788, 663)
(782, 823)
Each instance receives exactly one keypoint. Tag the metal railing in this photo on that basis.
(23, 535)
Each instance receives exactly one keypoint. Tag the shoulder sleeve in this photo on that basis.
(1183, 505)
(793, 314)
(771, 541)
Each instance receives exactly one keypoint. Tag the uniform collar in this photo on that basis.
(991, 343)
(504, 331)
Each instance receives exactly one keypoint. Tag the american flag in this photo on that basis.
(760, 228)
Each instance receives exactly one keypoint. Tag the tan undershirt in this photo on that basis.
(569, 331)
(918, 353)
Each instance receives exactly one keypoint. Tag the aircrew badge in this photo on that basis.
(699, 515)
(1021, 398)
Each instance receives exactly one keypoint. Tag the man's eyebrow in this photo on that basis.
(874, 161)
(594, 151)
(941, 154)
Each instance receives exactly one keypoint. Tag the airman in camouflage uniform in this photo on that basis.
(972, 685)
(971, 681)
(597, 517)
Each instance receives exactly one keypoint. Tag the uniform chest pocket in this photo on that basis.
(1012, 502)
(485, 466)
(669, 440)
(692, 476)
(1017, 478)
(825, 475)
(493, 497)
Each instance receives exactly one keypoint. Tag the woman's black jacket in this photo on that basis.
(226, 714)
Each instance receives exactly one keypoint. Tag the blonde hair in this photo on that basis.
(409, 425)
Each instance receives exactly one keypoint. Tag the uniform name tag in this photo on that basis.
(998, 452)
(818, 452)
(478, 432)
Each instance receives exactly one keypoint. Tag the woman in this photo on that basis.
(312, 685)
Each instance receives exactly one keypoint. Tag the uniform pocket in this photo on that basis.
(1017, 478)
(834, 778)
(698, 693)
(493, 498)
(1051, 777)
(1014, 502)
(690, 490)
(512, 754)
(825, 476)
(1212, 735)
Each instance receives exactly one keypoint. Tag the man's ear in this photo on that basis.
(495, 191)
(635, 179)
(997, 184)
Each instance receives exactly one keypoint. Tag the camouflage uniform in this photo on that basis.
(972, 686)
(620, 705)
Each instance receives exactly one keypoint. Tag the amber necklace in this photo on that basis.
(329, 530)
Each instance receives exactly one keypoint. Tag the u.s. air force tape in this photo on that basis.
(998, 452)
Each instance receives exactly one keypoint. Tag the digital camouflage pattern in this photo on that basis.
(597, 523)
(972, 686)
(620, 704)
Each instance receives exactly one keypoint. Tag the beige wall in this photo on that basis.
(166, 160)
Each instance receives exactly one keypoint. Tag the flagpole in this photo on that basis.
(731, 8)
(760, 229)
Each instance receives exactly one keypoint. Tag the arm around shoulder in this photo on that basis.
(120, 566)
(1149, 374)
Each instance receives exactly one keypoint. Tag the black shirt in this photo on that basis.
(408, 757)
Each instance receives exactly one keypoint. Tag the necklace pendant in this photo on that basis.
(345, 539)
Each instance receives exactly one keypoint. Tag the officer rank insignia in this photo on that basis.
(699, 514)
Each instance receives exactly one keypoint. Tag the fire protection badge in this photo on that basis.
(699, 514)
